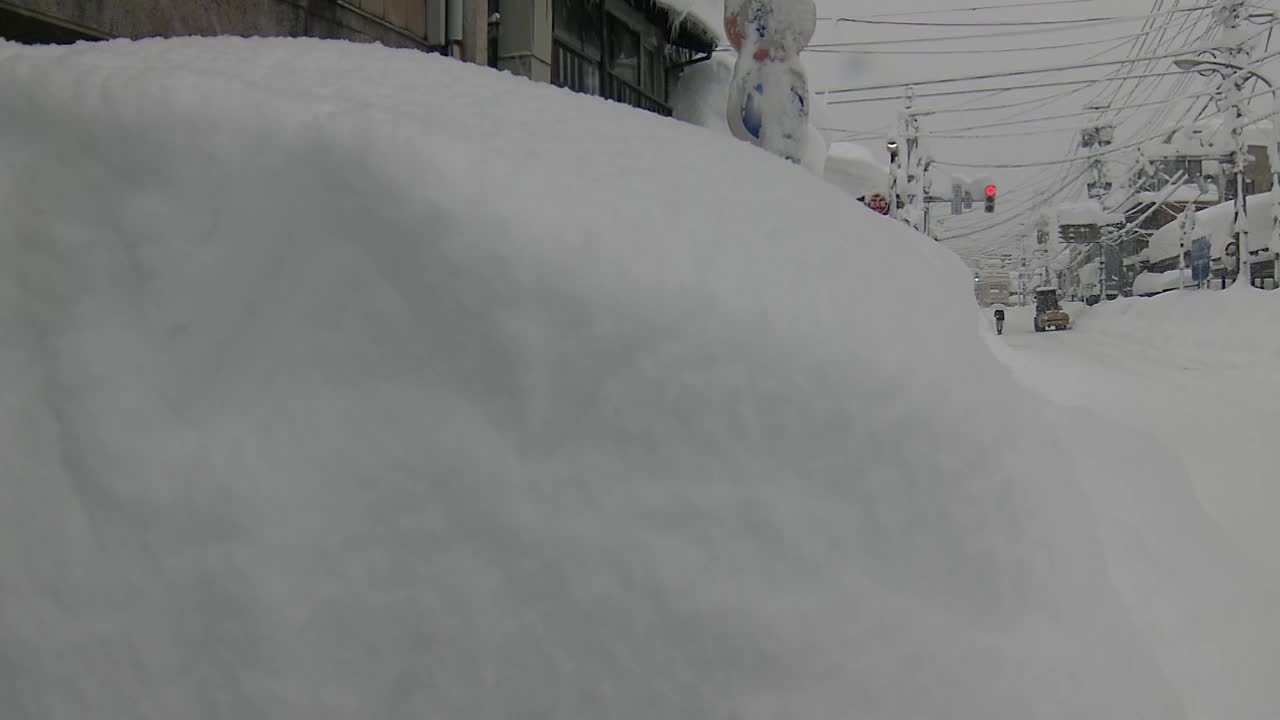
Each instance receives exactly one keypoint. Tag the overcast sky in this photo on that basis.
(831, 70)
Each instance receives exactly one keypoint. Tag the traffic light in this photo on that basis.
(977, 278)
(990, 205)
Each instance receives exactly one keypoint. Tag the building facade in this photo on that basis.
(629, 51)
(454, 27)
(625, 50)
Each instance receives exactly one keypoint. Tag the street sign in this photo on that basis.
(878, 203)
(1080, 233)
(1201, 248)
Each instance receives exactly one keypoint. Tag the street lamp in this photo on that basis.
(1230, 72)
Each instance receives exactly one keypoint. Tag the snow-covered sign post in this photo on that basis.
(769, 95)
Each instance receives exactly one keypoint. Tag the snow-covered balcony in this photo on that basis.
(629, 50)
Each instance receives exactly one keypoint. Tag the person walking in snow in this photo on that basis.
(999, 321)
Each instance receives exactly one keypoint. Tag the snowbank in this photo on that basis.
(1190, 525)
(1221, 328)
(856, 169)
(329, 394)
(1149, 283)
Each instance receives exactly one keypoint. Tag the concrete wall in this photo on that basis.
(524, 41)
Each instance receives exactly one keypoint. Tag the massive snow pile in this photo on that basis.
(856, 169)
(346, 382)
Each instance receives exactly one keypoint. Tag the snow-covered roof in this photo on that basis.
(1149, 283)
(1086, 212)
(1184, 194)
(1215, 223)
(1206, 137)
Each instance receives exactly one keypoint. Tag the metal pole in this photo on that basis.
(1188, 215)
(1274, 244)
(1237, 50)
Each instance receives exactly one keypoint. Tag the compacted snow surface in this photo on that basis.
(346, 382)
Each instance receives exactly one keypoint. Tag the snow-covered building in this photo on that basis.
(1197, 152)
(629, 51)
(453, 27)
(1080, 273)
(1214, 224)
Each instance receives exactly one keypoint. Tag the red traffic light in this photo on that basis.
(991, 191)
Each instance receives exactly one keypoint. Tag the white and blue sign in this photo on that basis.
(769, 95)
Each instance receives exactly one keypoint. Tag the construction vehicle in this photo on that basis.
(1049, 312)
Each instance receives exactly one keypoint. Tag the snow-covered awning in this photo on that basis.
(1184, 194)
(1085, 213)
(703, 19)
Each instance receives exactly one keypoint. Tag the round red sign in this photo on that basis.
(879, 203)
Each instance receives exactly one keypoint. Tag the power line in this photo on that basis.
(1038, 101)
(1005, 74)
(1009, 23)
(952, 93)
(852, 48)
(1082, 113)
(941, 11)
(1089, 157)
(949, 38)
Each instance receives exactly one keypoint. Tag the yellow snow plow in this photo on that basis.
(1049, 312)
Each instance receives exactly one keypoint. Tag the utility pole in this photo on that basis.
(901, 154)
(909, 181)
(1093, 138)
(1184, 239)
(1232, 14)
(915, 163)
(926, 186)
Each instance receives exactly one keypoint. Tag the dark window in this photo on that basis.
(495, 30)
(593, 29)
(1168, 168)
(659, 71)
(624, 51)
(571, 69)
(619, 55)
(565, 21)
(576, 23)
(646, 70)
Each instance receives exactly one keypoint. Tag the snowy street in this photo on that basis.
(1211, 397)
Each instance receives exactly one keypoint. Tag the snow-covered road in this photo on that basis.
(1210, 393)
